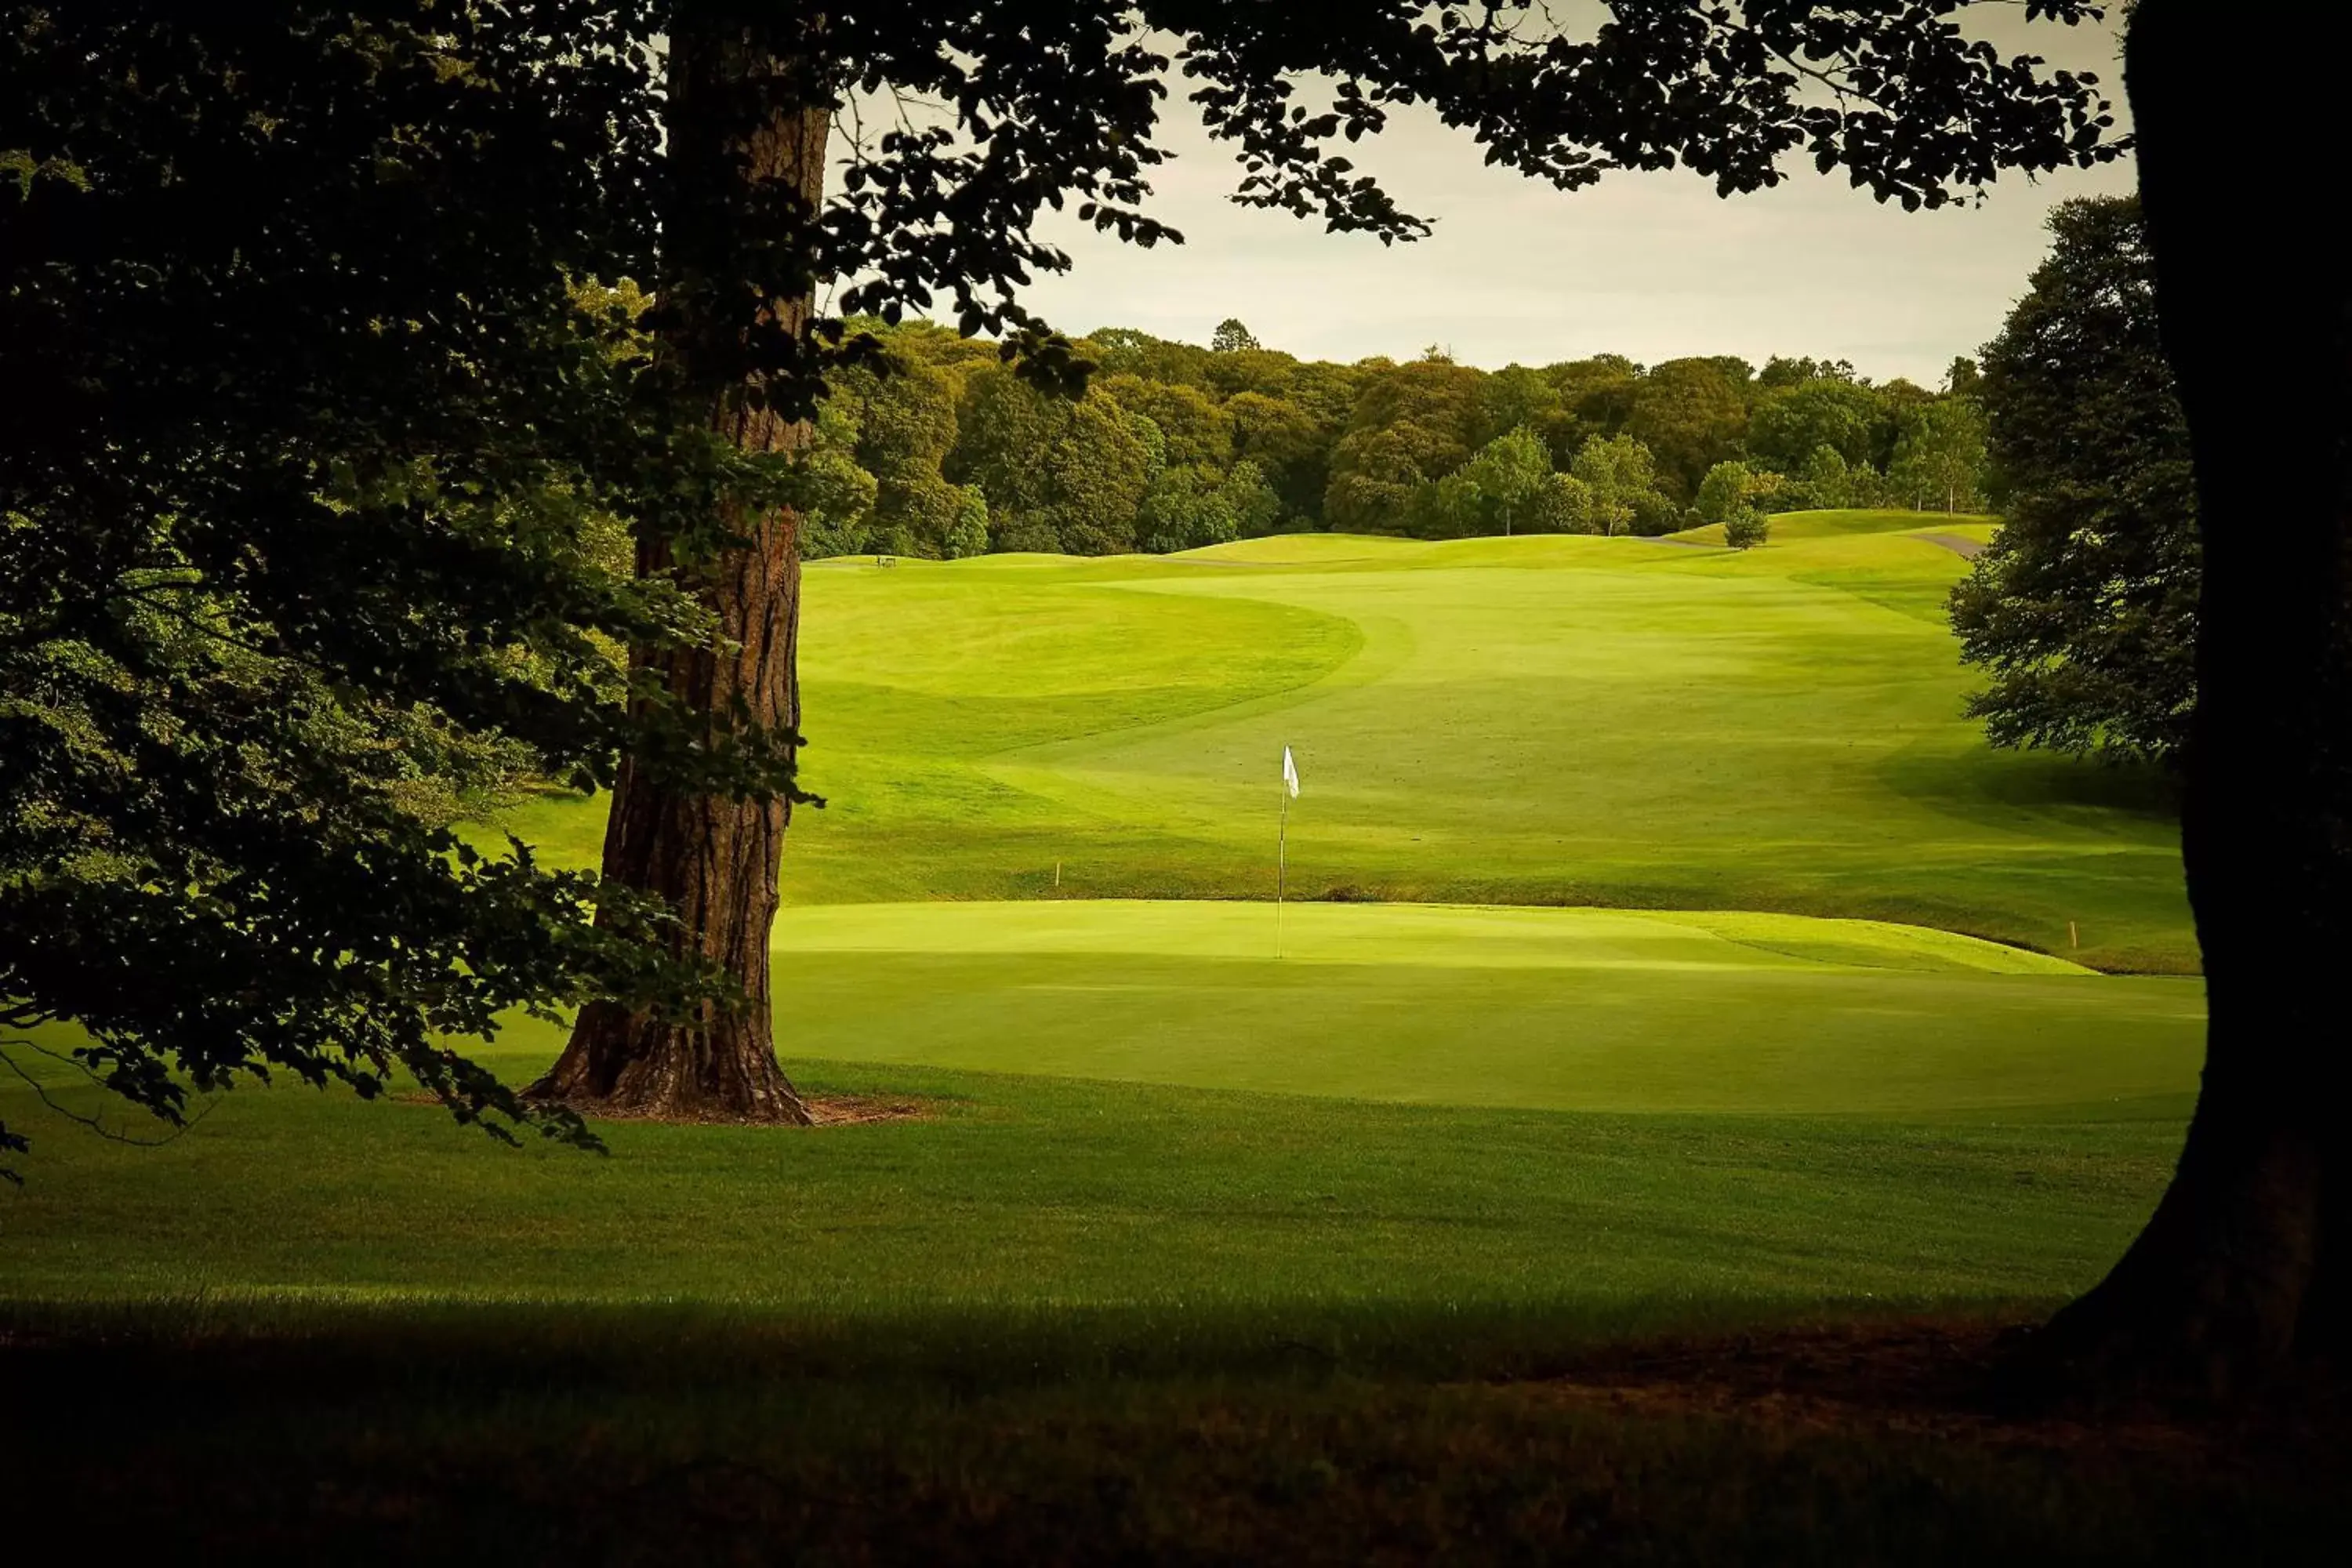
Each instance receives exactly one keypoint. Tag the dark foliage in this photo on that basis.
(2243, 1276)
(311, 500)
(2084, 609)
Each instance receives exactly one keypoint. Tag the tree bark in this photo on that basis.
(2241, 1268)
(714, 859)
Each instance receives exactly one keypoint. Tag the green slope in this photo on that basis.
(1548, 720)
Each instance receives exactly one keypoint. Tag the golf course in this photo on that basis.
(1663, 955)
(1553, 720)
(1659, 939)
(1088, 784)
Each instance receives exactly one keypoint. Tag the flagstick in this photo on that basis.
(1281, 864)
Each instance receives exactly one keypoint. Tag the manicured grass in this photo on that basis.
(1544, 721)
(1899, 1114)
(1074, 1320)
(1141, 1104)
(1138, 1208)
(1195, 1239)
(1561, 1009)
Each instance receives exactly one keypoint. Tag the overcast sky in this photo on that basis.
(1649, 266)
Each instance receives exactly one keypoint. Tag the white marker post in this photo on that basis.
(1282, 841)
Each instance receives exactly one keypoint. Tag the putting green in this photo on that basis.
(1548, 720)
(1540, 1009)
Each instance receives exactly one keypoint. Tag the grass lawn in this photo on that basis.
(1591, 1118)
(1182, 1239)
(1061, 1320)
(1544, 721)
(1151, 1215)
(1557, 1010)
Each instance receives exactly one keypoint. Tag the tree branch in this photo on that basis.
(90, 1123)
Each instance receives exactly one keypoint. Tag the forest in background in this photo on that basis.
(1174, 446)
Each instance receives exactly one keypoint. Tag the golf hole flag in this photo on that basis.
(1282, 841)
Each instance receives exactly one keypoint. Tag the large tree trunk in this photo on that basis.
(714, 859)
(2241, 1268)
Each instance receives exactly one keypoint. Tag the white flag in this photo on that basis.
(1289, 773)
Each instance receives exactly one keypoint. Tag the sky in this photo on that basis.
(1651, 266)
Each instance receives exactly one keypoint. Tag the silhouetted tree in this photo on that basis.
(322, 447)
(1231, 337)
(2248, 1260)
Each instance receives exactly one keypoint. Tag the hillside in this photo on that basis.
(1537, 721)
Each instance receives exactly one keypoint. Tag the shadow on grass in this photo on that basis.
(664, 1435)
(444, 1344)
(2034, 782)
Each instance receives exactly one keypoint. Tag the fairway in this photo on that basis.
(1174, 1222)
(1037, 896)
(1542, 721)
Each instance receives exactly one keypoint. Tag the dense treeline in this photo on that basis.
(1176, 446)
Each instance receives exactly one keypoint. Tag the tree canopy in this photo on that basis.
(1395, 449)
(2084, 609)
(317, 504)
